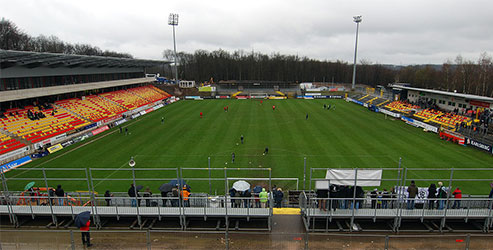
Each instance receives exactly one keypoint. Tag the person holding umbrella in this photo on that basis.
(165, 189)
(132, 192)
(82, 221)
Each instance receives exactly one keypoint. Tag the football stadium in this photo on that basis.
(126, 150)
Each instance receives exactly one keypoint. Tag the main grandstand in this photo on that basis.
(48, 98)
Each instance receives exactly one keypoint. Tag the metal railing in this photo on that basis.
(397, 208)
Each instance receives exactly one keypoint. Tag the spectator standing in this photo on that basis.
(176, 196)
(185, 193)
(86, 237)
(232, 194)
(385, 197)
(373, 196)
(412, 191)
(322, 194)
(108, 196)
(432, 195)
(263, 198)
(279, 196)
(60, 194)
(132, 192)
(147, 195)
(457, 196)
(442, 195)
(247, 194)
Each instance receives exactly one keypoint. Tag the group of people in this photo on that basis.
(343, 195)
(243, 199)
(36, 115)
(174, 196)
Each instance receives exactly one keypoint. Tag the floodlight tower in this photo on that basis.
(357, 20)
(173, 21)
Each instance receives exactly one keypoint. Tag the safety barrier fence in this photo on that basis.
(169, 239)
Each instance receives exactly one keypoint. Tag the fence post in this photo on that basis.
(7, 197)
(304, 172)
(226, 226)
(136, 198)
(354, 199)
(94, 205)
(53, 217)
(306, 239)
(468, 240)
(448, 199)
(226, 239)
(209, 168)
(72, 243)
(148, 238)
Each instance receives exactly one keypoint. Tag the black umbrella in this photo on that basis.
(82, 218)
(139, 187)
(166, 187)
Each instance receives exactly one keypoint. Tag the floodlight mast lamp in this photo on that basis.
(173, 21)
(357, 20)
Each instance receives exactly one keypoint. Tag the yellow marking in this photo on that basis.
(237, 93)
(294, 211)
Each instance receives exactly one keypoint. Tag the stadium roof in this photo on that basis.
(12, 95)
(440, 92)
(9, 58)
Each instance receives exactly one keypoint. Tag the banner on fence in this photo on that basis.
(364, 178)
(100, 130)
(478, 144)
(384, 111)
(40, 155)
(14, 153)
(15, 164)
(419, 124)
(120, 122)
(222, 96)
(55, 148)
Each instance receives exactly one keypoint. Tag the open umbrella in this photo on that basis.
(29, 185)
(139, 187)
(82, 219)
(175, 182)
(257, 189)
(241, 186)
(166, 187)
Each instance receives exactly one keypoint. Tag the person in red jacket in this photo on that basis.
(457, 195)
(86, 237)
(200, 114)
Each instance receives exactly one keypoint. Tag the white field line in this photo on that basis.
(112, 173)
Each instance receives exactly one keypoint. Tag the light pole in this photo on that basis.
(357, 20)
(173, 21)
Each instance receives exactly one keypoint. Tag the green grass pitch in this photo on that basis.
(348, 136)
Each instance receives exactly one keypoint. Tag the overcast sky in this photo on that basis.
(398, 32)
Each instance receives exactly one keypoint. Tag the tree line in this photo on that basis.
(13, 38)
(461, 75)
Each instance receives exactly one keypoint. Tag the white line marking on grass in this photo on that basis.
(112, 173)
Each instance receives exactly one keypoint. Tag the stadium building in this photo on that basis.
(445, 100)
(46, 98)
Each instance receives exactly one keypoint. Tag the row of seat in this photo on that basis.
(57, 121)
(402, 107)
(149, 93)
(442, 118)
(92, 107)
(8, 144)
